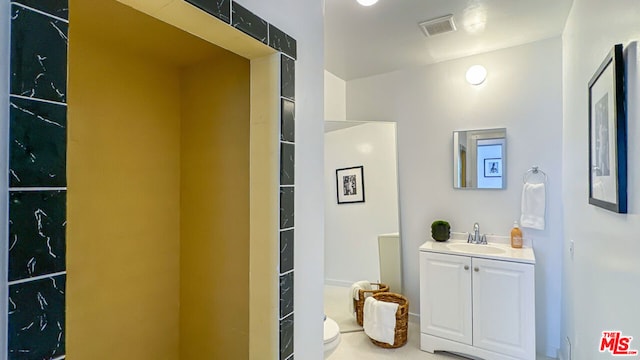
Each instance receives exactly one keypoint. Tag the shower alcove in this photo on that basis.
(173, 174)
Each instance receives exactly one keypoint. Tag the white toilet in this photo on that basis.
(331, 336)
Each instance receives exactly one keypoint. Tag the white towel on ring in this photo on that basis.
(533, 206)
(354, 294)
(380, 320)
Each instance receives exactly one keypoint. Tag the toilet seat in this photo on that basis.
(331, 330)
(331, 336)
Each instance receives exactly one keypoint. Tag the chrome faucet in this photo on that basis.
(476, 232)
(476, 238)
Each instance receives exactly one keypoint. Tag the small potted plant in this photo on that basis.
(440, 230)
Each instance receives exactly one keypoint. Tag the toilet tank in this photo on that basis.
(390, 261)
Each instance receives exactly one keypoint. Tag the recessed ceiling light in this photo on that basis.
(367, 2)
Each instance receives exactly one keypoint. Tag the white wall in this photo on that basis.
(600, 290)
(523, 92)
(303, 19)
(335, 97)
(351, 230)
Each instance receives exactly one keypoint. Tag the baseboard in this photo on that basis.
(414, 318)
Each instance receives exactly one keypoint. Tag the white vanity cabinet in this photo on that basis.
(445, 296)
(477, 306)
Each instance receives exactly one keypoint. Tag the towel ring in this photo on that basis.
(534, 170)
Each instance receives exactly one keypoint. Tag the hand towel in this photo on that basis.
(355, 293)
(533, 206)
(380, 320)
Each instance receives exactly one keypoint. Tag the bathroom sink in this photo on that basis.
(476, 248)
(498, 248)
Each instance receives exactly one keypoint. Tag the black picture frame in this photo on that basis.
(350, 185)
(608, 134)
(493, 167)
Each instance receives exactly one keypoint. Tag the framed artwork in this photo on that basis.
(493, 167)
(350, 185)
(608, 135)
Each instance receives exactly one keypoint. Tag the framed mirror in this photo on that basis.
(479, 159)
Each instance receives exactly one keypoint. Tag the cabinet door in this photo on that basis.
(445, 296)
(504, 307)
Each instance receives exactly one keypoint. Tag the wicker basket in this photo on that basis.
(402, 318)
(362, 294)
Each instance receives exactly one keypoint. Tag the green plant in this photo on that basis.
(440, 230)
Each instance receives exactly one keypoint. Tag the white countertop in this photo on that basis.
(493, 250)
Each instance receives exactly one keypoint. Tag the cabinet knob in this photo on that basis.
(466, 267)
(476, 269)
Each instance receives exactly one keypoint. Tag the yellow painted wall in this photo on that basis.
(123, 227)
(158, 191)
(264, 295)
(214, 258)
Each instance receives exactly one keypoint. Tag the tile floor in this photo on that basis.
(336, 306)
(356, 345)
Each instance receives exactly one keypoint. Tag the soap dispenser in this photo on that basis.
(516, 236)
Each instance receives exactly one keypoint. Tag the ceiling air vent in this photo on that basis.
(438, 26)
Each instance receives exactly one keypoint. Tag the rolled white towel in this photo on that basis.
(380, 320)
(354, 294)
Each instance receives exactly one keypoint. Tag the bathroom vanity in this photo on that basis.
(478, 300)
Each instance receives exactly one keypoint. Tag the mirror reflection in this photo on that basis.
(362, 239)
(479, 159)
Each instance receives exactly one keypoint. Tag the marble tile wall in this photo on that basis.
(218, 8)
(37, 175)
(37, 324)
(36, 233)
(37, 143)
(286, 337)
(281, 41)
(249, 23)
(37, 179)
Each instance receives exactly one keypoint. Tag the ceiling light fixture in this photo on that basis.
(367, 2)
(476, 75)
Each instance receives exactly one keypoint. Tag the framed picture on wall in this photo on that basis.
(493, 167)
(350, 185)
(608, 134)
